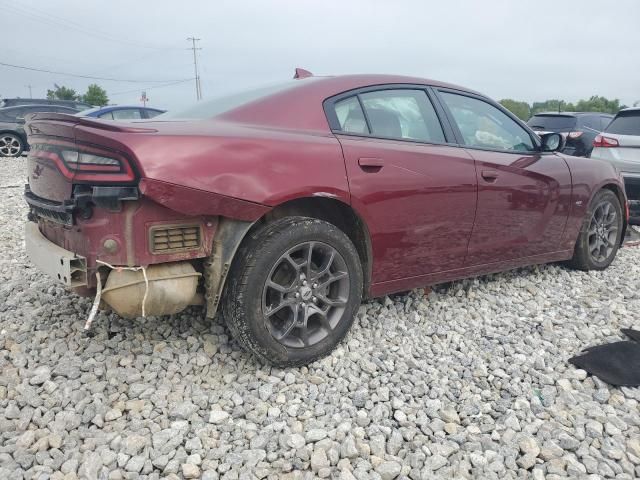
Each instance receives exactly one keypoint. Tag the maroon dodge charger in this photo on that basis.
(289, 204)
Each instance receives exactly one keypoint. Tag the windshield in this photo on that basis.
(217, 106)
(552, 122)
(625, 123)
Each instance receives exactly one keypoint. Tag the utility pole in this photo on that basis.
(193, 41)
(30, 94)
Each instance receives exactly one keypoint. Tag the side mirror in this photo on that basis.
(552, 142)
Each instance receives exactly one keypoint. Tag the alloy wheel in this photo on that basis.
(603, 231)
(305, 294)
(9, 146)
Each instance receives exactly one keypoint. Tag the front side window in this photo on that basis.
(484, 126)
(107, 115)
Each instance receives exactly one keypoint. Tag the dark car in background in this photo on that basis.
(578, 128)
(121, 112)
(14, 102)
(13, 139)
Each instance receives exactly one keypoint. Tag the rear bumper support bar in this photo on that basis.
(64, 266)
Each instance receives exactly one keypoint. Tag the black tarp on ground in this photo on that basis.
(616, 363)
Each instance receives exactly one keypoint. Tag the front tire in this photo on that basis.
(599, 237)
(293, 290)
(10, 145)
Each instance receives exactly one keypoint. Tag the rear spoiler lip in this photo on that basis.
(87, 122)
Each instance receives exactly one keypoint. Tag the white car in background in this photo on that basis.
(619, 144)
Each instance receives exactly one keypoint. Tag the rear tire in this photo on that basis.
(11, 145)
(599, 237)
(293, 290)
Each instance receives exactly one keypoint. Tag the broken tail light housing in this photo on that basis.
(602, 141)
(80, 163)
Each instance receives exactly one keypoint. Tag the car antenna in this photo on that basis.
(302, 73)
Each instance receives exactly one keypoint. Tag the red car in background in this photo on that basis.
(289, 204)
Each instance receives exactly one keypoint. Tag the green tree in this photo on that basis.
(62, 93)
(519, 109)
(598, 104)
(96, 95)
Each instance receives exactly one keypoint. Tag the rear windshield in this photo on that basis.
(217, 106)
(552, 122)
(625, 123)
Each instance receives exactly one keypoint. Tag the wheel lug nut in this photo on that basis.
(315, 300)
(315, 285)
(304, 282)
(296, 294)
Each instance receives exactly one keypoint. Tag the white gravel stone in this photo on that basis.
(469, 380)
(217, 416)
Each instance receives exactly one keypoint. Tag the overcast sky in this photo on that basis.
(505, 48)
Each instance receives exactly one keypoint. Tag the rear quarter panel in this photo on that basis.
(260, 165)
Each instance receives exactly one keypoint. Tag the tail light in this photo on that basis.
(81, 163)
(602, 141)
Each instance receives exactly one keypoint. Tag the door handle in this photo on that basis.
(371, 163)
(489, 175)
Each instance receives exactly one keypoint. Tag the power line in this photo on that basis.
(151, 88)
(195, 66)
(22, 67)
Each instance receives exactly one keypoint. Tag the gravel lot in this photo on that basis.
(469, 381)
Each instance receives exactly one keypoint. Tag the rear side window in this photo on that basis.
(152, 113)
(484, 126)
(126, 114)
(397, 114)
(405, 114)
(625, 123)
(350, 116)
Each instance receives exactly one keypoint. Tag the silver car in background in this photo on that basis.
(619, 144)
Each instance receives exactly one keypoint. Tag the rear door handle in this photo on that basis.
(371, 162)
(489, 175)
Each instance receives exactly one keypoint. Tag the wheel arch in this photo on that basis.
(339, 214)
(20, 135)
(231, 233)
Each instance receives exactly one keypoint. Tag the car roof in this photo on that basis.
(571, 114)
(108, 108)
(350, 82)
(630, 109)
